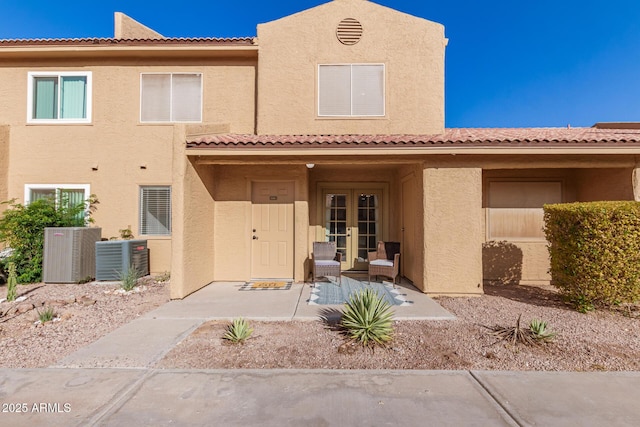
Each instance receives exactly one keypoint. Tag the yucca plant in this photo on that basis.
(238, 331)
(539, 330)
(368, 319)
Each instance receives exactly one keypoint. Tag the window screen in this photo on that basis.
(171, 98)
(351, 90)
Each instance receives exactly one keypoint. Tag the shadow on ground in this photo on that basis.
(535, 295)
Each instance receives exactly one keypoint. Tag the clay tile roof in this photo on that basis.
(463, 137)
(128, 42)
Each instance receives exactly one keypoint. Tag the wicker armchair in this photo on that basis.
(385, 261)
(326, 261)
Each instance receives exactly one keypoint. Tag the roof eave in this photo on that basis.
(386, 151)
(128, 51)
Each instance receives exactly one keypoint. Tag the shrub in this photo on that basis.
(238, 331)
(22, 229)
(368, 318)
(595, 252)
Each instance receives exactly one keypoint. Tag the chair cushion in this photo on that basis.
(382, 262)
(325, 262)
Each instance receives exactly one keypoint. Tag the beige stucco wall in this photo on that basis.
(291, 48)
(4, 165)
(126, 153)
(193, 225)
(454, 231)
(233, 217)
(604, 184)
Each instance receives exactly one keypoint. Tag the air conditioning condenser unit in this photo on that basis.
(69, 254)
(114, 258)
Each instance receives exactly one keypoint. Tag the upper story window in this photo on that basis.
(59, 97)
(351, 90)
(171, 97)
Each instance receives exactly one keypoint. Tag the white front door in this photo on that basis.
(272, 233)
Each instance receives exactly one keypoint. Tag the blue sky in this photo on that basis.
(508, 63)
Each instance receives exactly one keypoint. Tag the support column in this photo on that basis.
(453, 231)
(192, 204)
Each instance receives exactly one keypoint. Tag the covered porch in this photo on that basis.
(256, 217)
(464, 210)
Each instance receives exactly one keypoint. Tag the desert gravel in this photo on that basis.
(596, 341)
(85, 312)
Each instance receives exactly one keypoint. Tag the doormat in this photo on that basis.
(267, 285)
(332, 293)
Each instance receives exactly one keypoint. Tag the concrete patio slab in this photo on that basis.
(225, 301)
(277, 398)
(422, 307)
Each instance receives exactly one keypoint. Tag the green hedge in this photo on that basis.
(595, 252)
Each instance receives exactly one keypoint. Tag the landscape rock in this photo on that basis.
(86, 301)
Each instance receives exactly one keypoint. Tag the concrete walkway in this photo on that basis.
(127, 391)
(143, 397)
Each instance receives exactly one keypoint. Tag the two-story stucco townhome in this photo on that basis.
(231, 156)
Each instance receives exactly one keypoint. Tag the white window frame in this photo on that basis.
(141, 211)
(31, 78)
(171, 98)
(351, 65)
(29, 187)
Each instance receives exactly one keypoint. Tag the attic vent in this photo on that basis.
(349, 31)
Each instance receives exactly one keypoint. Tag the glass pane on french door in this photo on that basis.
(368, 213)
(336, 221)
(352, 220)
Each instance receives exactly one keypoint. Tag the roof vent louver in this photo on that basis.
(349, 31)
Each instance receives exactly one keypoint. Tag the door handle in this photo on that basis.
(255, 237)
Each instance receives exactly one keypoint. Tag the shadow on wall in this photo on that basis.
(501, 263)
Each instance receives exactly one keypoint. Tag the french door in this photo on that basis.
(352, 219)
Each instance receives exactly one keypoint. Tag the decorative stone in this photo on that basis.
(24, 307)
(85, 300)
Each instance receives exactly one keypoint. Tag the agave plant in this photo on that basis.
(539, 330)
(238, 331)
(536, 333)
(368, 318)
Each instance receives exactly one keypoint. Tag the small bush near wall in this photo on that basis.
(595, 252)
(22, 229)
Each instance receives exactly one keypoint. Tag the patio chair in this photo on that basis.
(326, 261)
(385, 261)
